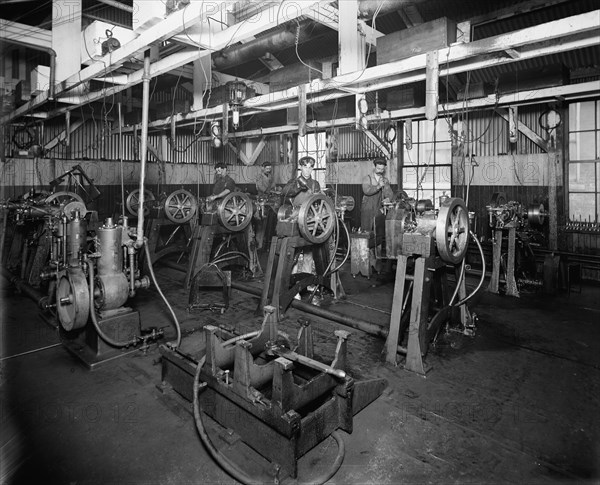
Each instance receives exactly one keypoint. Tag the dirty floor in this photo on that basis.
(516, 403)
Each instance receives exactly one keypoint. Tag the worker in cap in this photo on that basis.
(265, 217)
(303, 186)
(376, 188)
(265, 182)
(223, 184)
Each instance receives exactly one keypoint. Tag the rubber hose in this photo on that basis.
(231, 467)
(175, 321)
(476, 290)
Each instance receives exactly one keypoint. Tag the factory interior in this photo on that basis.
(299, 241)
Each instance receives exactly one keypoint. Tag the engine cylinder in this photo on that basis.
(77, 237)
(109, 246)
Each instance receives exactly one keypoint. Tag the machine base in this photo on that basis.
(87, 345)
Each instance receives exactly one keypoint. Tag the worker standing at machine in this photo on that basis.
(303, 186)
(265, 218)
(223, 184)
(376, 188)
(265, 183)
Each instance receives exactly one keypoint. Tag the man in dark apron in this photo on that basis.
(376, 188)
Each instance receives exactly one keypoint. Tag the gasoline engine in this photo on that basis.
(92, 292)
(424, 240)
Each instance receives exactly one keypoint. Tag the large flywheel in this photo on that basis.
(452, 230)
(316, 218)
(181, 206)
(133, 202)
(73, 299)
(235, 211)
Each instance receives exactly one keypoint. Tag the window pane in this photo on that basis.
(426, 194)
(409, 177)
(441, 130)
(426, 129)
(426, 154)
(582, 146)
(410, 156)
(443, 153)
(582, 177)
(443, 178)
(581, 207)
(411, 193)
(582, 116)
(426, 178)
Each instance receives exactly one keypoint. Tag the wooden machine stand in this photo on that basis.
(509, 217)
(421, 302)
(228, 219)
(306, 228)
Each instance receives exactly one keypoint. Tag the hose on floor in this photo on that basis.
(177, 342)
(231, 467)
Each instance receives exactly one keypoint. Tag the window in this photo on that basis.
(313, 145)
(427, 167)
(583, 165)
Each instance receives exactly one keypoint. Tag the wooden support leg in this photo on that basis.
(511, 282)
(391, 344)
(496, 255)
(418, 316)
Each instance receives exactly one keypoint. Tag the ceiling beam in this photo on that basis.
(558, 36)
(15, 32)
(173, 24)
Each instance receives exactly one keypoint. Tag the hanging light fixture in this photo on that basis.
(237, 95)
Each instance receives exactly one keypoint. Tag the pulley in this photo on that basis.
(316, 218)
(73, 299)
(180, 206)
(133, 201)
(452, 230)
(235, 211)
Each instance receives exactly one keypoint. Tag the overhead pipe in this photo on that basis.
(119, 5)
(139, 242)
(276, 41)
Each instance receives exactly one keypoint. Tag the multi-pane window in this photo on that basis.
(313, 145)
(427, 167)
(584, 161)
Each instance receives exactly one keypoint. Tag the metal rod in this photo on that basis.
(144, 148)
(121, 159)
(25, 288)
(30, 352)
(366, 327)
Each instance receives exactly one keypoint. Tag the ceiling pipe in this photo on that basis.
(367, 8)
(119, 5)
(48, 50)
(276, 41)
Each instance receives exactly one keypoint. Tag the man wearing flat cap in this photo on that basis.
(376, 188)
(302, 187)
(265, 182)
(265, 218)
(223, 184)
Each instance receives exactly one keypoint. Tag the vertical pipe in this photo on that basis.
(121, 159)
(144, 148)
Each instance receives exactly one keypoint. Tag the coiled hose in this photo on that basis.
(231, 467)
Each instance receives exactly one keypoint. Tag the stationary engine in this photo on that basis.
(503, 214)
(406, 220)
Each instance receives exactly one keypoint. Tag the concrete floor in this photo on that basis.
(517, 403)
